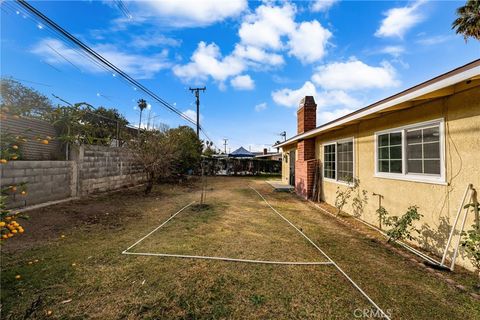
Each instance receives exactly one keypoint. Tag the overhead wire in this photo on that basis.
(110, 65)
(61, 34)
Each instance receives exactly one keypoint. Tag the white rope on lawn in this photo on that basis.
(303, 263)
(164, 223)
(209, 257)
(326, 256)
(403, 244)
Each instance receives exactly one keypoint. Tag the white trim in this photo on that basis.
(336, 142)
(405, 176)
(451, 80)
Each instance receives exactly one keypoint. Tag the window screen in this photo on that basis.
(423, 150)
(390, 152)
(329, 161)
(345, 161)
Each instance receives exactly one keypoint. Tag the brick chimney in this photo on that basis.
(305, 164)
(306, 115)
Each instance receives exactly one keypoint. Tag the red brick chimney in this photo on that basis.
(305, 164)
(306, 115)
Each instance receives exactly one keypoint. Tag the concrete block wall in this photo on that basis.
(46, 181)
(92, 169)
(103, 168)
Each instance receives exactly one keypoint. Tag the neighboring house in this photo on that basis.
(266, 155)
(418, 147)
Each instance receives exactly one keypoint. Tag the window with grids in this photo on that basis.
(345, 161)
(389, 151)
(411, 152)
(329, 156)
(423, 150)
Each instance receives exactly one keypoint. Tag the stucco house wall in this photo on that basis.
(438, 202)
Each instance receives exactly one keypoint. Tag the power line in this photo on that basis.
(99, 57)
(100, 61)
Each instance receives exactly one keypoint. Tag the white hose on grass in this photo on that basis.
(302, 263)
(209, 257)
(164, 223)
(326, 256)
(403, 244)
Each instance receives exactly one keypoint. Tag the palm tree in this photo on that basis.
(142, 105)
(468, 21)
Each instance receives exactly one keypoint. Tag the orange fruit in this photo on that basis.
(30, 262)
(14, 231)
(3, 161)
(2, 224)
(21, 230)
(8, 218)
(44, 141)
(18, 276)
(9, 235)
(49, 313)
(15, 147)
(4, 236)
(14, 157)
(23, 193)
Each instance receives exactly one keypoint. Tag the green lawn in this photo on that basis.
(85, 275)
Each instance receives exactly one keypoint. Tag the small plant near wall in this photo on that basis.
(341, 198)
(471, 241)
(360, 200)
(382, 215)
(402, 227)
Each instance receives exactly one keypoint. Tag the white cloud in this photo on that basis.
(264, 35)
(336, 98)
(56, 52)
(153, 40)
(354, 75)
(260, 107)
(265, 27)
(398, 21)
(330, 104)
(394, 51)
(192, 114)
(327, 116)
(430, 41)
(243, 82)
(184, 13)
(308, 41)
(257, 55)
(207, 61)
(322, 5)
(291, 98)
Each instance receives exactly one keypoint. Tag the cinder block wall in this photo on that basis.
(91, 169)
(46, 181)
(106, 168)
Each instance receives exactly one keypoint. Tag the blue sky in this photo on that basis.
(257, 59)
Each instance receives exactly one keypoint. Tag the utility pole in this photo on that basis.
(197, 96)
(225, 144)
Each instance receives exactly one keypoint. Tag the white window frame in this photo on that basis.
(416, 177)
(336, 142)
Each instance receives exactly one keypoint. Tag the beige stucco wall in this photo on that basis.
(286, 162)
(438, 203)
